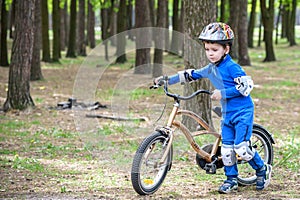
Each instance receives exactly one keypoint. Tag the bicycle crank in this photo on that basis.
(211, 167)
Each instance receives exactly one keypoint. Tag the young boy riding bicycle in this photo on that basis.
(233, 89)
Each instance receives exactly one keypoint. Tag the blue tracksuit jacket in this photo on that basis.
(222, 77)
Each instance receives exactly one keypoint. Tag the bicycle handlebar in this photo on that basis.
(177, 96)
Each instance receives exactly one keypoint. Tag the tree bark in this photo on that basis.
(121, 39)
(45, 32)
(104, 27)
(223, 11)
(12, 19)
(251, 24)
(284, 21)
(181, 26)
(18, 94)
(143, 38)
(159, 38)
(129, 19)
(112, 22)
(56, 31)
(167, 37)
(244, 58)
(152, 12)
(194, 55)
(3, 39)
(292, 21)
(233, 23)
(91, 26)
(63, 26)
(81, 46)
(268, 20)
(71, 53)
(175, 25)
(35, 70)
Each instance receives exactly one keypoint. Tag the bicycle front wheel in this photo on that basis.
(261, 142)
(148, 171)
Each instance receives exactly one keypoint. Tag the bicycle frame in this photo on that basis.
(169, 130)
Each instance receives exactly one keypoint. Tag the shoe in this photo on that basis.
(263, 177)
(228, 186)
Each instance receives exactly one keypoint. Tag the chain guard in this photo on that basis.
(201, 162)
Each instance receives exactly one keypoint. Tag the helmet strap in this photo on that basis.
(221, 59)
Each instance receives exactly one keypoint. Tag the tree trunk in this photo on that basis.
(129, 19)
(251, 24)
(81, 46)
(167, 37)
(233, 23)
(268, 20)
(71, 53)
(259, 31)
(12, 19)
(223, 11)
(35, 70)
(159, 38)
(194, 55)
(277, 22)
(3, 39)
(152, 12)
(175, 25)
(45, 32)
(292, 21)
(244, 58)
(56, 31)
(285, 21)
(63, 26)
(112, 23)
(91, 26)
(181, 26)
(104, 27)
(143, 38)
(121, 40)
(18, 94)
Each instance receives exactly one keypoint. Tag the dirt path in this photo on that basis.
(87, 174)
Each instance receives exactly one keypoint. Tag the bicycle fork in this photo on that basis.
(169, 132)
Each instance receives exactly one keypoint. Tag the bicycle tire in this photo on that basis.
(261, 142)
(147, 175)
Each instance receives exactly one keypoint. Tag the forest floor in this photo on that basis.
(44, 154)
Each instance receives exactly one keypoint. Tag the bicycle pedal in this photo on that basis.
(210, 168)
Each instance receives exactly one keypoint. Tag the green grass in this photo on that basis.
(7, 152)
(11, 125)
(142, 93)
(132, 95)
(288, 154)
(56, 133)
(30, 164)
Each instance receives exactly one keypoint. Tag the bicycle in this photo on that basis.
(153, 158)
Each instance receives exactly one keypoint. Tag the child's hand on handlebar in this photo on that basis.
(216, 95)
(158, 81)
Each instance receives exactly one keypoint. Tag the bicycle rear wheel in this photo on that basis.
(147, 173)
(261, 142)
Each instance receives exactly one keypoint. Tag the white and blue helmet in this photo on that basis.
(217, 32)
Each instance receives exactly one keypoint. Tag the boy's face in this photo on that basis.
(215, 51)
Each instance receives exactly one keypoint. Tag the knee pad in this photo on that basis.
(244, 151)
(228, 155)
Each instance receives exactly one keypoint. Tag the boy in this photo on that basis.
(233, 89)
